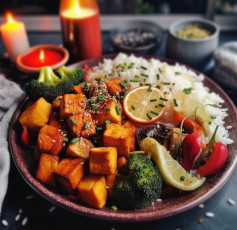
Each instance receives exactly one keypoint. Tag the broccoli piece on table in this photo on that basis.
(141, 187)
(49, 85)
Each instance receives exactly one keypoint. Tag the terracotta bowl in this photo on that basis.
(31, 70)
(26, 165)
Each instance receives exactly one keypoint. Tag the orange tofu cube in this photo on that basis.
(119, 136)
(72, 104)
(92, 190)
(47, 166)
(80, 148)
(111, 115)
(50, 140)
(103, 160)
(78, 89)
(69, 173)
(90, 129)
(76, 124)
(36, 115)
(114, 86)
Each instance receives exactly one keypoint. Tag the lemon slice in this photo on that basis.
(172, 172)
(145, 104)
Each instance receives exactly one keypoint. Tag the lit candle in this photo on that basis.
(30, 60)
(81, 28)
(14, 37)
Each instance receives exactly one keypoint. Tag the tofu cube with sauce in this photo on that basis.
(92, 191)
(50, 140)
(103, 160)
(69, 173)
(46, 168)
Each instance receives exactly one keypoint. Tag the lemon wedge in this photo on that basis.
(172, 172)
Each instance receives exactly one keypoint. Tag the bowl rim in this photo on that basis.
(120, 29)
(197, 20)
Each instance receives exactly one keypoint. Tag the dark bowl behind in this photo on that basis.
(144, 25)
(25, 163)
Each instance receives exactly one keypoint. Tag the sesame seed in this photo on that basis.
(201, 205)
(18, 216)
(52, 209)
(229, 127)
(20, 211)
(82, 163)
(231, 202)
(158, 200)
(209, 214)
(107, 187)
(4, 223)
(24, 221)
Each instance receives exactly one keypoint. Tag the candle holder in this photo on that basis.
(81, 32)
(31, 60)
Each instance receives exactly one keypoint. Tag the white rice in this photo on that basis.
(184, 79)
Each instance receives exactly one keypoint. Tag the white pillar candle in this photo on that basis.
(14, 37)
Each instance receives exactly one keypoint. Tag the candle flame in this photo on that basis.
(9, 17)
(42, 55)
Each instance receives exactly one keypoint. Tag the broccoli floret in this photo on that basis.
(141, 187)
(49, 85)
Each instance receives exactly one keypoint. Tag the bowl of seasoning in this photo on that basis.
(141, 37)
(192, 42)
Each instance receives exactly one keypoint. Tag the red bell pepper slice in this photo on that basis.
(25, 138)
(216, 161)
(191, 125)
(191, 146)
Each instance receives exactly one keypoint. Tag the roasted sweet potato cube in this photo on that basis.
(92, 190)
(108, 114)
(78, 89)
(50, 140)
(78, 127)
(75, 124)
(80, 148)
(114, 86)
(36, 115)
(72, 104)
(119, 136)
(110, 180)
(56, 102)
(103, 160)
(122, 164)
(69, 173)
(47, 166)
(88, 127)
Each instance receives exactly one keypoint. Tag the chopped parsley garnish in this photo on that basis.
(187, 90)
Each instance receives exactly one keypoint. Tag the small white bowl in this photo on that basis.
(193, 52)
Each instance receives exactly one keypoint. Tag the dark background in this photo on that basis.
(122, 6)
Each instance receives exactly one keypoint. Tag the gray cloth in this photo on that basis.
(10, 96)
(225, 70)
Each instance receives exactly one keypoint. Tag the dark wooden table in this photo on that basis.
(39, 212)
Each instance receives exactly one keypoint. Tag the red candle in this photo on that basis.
(42, 57)
(81, 28)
